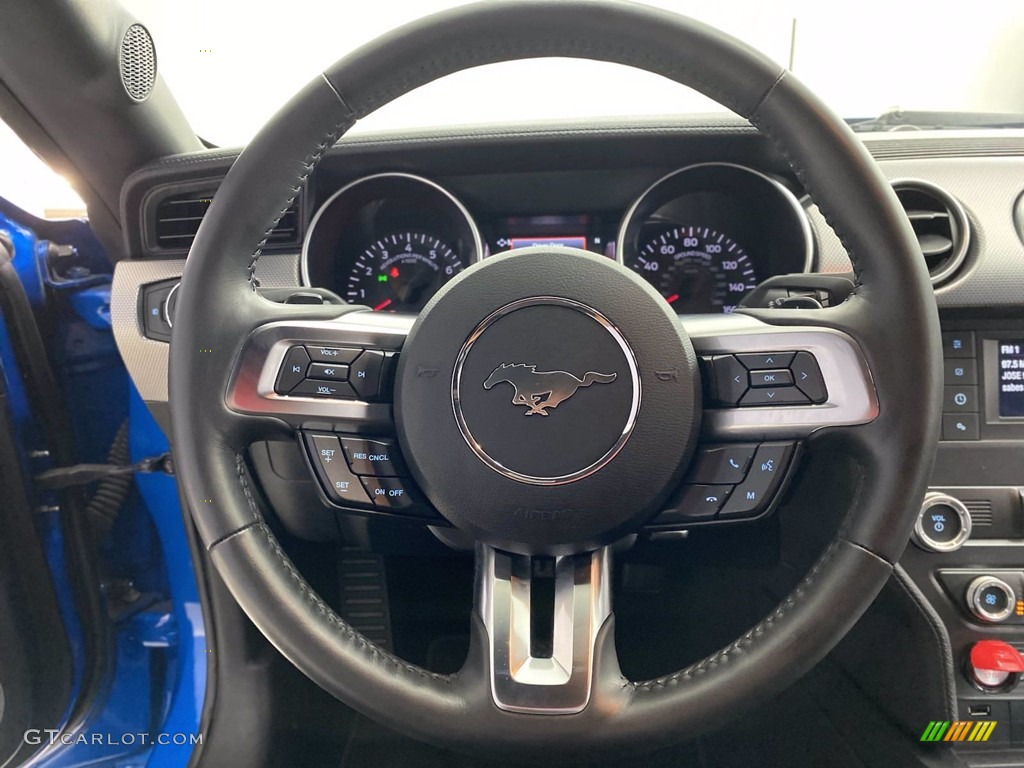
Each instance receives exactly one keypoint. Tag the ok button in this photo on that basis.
(776, 377)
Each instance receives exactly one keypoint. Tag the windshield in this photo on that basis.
(230, 71)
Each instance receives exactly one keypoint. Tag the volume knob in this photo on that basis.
(943, 524)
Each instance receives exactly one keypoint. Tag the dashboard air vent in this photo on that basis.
(940, 223)
(178, 216)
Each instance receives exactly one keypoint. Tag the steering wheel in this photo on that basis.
(529, 463)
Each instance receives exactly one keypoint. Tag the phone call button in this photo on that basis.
(722, 464)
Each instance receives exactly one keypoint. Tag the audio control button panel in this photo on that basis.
(338, 373)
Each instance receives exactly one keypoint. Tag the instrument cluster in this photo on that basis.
(704, 236)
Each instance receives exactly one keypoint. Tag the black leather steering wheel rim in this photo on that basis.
(891, 314)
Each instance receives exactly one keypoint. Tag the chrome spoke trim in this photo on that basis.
(251, 390)
(851, 399)
(521, 682)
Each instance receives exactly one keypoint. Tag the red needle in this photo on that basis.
(383, 305)
(673, 298)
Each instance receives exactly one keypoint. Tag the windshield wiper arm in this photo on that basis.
(904, 120)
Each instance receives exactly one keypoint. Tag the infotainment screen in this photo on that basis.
(1011, 378)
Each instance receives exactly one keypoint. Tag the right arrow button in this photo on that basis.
(807, 376)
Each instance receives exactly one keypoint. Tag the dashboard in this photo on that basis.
(712, 216)
(704, 236)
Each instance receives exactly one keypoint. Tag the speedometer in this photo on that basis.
(697, 269)
(401, 271)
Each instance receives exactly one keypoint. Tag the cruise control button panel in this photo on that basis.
(366, 475)
(730, 482)
(764, 379)
(338, 373)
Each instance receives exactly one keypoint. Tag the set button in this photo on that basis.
(340, 483)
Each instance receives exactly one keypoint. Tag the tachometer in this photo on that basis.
(697, 269)
(401, 271)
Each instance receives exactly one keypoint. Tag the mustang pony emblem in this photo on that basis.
(540, 390)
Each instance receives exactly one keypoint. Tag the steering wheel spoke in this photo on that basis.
(767, 388)
(542, 616)
(330, 382)
(779, 381)
(321, 374)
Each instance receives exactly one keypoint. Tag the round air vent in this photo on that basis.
(138, 62)
(940, 223)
